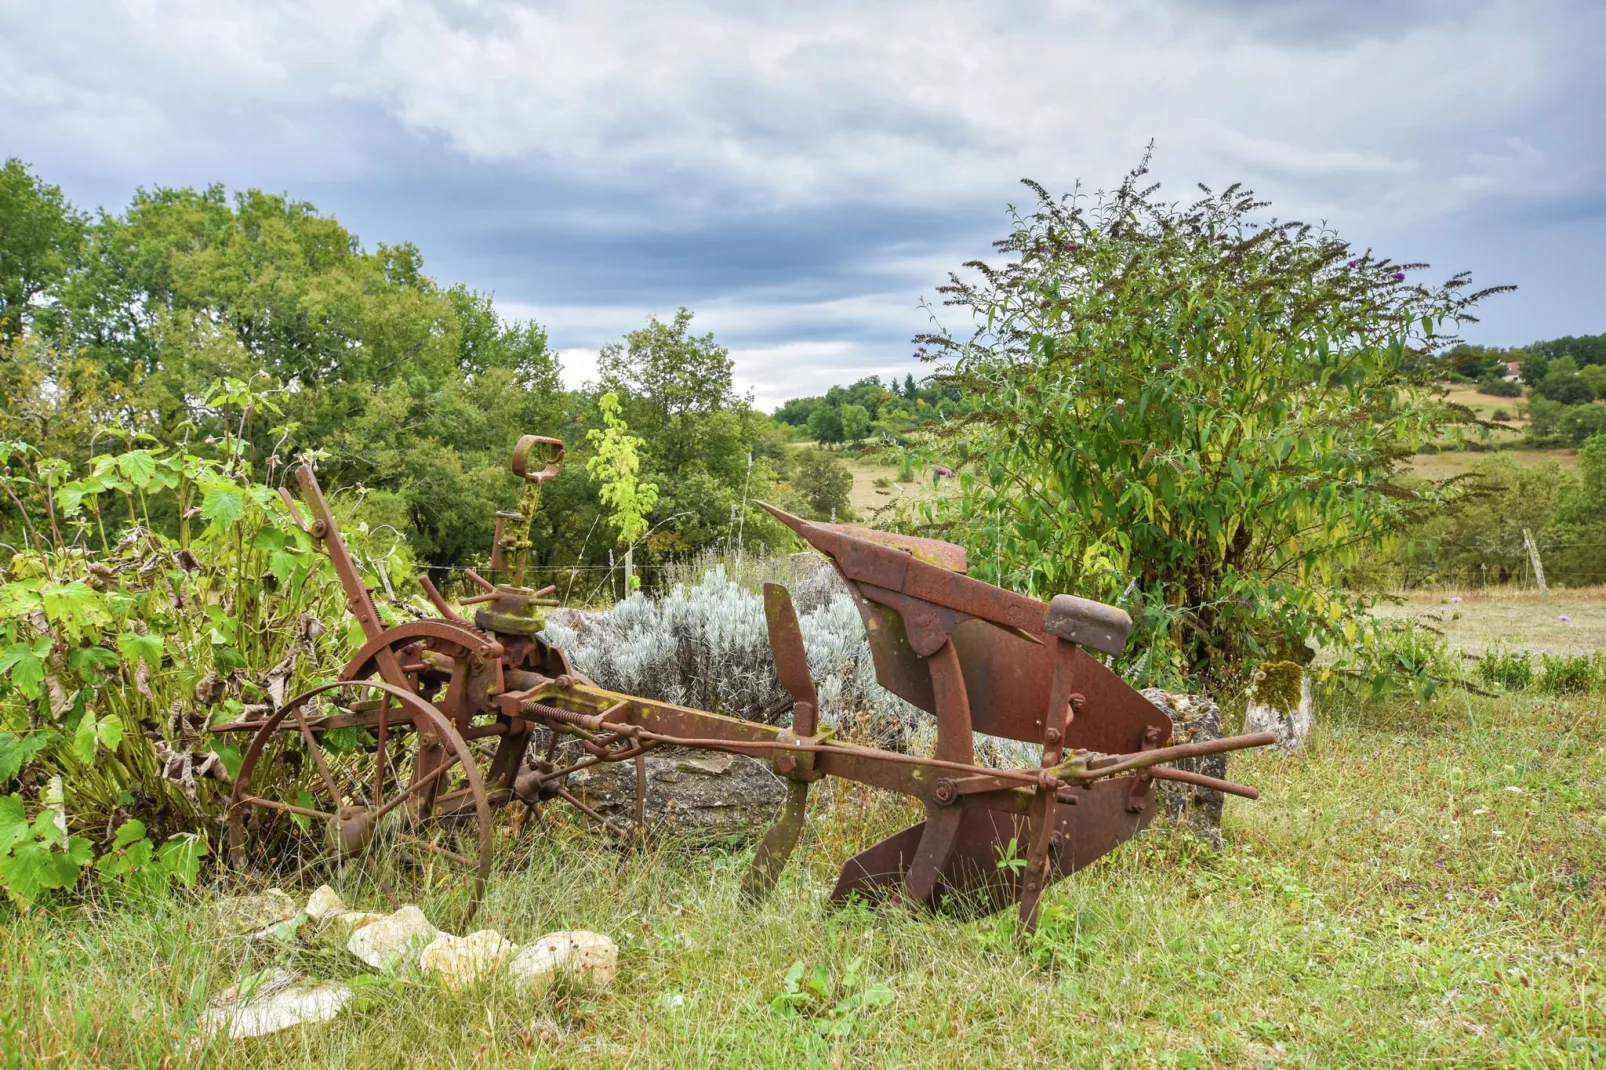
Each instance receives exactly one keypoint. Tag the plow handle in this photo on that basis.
(357, 598)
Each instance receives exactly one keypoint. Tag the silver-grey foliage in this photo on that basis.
(707, 645)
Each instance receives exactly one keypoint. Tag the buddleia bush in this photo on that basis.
(1194, 411)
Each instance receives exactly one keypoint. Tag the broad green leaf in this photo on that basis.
(16, 752)
(24, 666)
(91, 662)
(13, 823)
(109, 731)
(138, 465)
(268, 539)
(76, 604)
(136, 648)
(128, 832)
(224, 504)
(282, 563)
(83, 739)
(181, 856)
(140, 853)
(29, 871)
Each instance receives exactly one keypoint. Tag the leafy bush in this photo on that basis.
(1196, 413)
(1408, 655)
(121, 645)
(1500, 387)
(1569, 674)
(1582, 422)
(823, 482)
(707, 645)
(1506, 668)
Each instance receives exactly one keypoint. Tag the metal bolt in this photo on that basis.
(1052, 735)
(785, 763)
(320, 528)
(565, 681)
(945, 791)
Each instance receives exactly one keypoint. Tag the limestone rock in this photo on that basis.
(272, 1003)
(323, 903)
(256, 913)
(1280, 703)
(337, 928)
(1194, 719)
(690, 793)
(462, 960)
(589, 955)
(398, 937)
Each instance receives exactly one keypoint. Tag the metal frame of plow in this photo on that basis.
(976, 657)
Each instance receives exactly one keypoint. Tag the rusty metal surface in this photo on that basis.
(978, 875)
(1088, 623)
(356, 804)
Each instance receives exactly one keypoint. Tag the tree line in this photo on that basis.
(117, 324)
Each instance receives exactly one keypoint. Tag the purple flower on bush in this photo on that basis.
(1399, 276)
(1454, 599)
(945, 472)
(1564, 617)
(1354, 263)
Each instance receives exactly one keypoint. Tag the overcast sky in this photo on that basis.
(801, 174)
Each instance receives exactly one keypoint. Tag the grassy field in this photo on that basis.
(1521, 619)
(1424, 885)
(1487, 405)
(1459, 462)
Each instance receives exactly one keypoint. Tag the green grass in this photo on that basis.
(1520, 619)
(1389, 901)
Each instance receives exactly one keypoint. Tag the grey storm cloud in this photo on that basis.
(802, 174)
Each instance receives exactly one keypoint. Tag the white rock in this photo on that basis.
(255, 913)
(273, 1004)
(324, 902)
(337, 928)
(395, 937)
(590, 955)
(462, 960)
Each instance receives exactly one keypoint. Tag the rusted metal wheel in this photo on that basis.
(382, 798)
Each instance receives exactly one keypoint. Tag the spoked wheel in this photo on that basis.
(381, 798)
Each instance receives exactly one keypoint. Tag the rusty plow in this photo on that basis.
(433, 725)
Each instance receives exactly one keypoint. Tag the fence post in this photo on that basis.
(1533, 558)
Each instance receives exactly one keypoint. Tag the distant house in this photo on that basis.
(1513, 370)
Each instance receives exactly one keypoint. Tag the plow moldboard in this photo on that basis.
(972, 877)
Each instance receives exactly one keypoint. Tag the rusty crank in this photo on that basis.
(976, 657)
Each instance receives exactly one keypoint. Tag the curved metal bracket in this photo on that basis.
(549, 451)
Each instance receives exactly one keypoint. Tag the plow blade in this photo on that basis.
(984, 870)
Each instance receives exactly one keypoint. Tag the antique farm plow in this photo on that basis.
(429, 728)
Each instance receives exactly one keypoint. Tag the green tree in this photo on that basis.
(825, 424)
(824, 483)
(1193, 413)
(414, 390)
(1579, 553)
(676, 383)
(41, 240)
(855, 422)
(706, 448)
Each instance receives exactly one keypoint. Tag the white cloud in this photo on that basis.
(1385, 118)
(811, 102)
